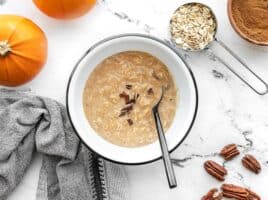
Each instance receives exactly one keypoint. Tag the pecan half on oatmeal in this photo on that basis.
(229, 151)
(239, 193)
(128, 86)
(251, 163)
(215, 170)
(126, 110)
(213, 194)
(125, 96)
(150, 91)
(130, 122)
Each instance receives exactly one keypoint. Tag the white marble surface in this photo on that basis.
(228, 111)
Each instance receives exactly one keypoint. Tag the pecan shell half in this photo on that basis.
(251, 163)
(215, 170)
(238, 193)
(213, 194)
(229, 151)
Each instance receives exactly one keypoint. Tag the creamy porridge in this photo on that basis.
(119, 96)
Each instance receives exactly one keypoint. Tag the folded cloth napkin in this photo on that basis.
(69, 170)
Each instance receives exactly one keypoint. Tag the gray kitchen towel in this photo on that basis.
(69, 171)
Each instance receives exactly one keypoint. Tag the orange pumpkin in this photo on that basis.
(23, 50)
(64, 9)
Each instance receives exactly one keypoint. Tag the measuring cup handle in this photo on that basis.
(258, 78)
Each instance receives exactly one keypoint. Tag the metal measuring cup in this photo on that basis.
(208, 47)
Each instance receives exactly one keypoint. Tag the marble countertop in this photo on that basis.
(229, 112)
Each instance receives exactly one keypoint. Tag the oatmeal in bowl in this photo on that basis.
(113, 88)
(119, 96)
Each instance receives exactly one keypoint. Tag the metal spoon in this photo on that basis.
(164, 148)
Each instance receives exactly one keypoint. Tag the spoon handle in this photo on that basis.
(164, 148)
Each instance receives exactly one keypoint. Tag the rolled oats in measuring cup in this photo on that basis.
(193, 27)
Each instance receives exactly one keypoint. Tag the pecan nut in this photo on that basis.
(239, 193)
(215, 170)
(229, 151)
(234, 191)
(213, 194)
(251, 163)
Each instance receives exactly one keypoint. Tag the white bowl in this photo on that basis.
(184, 81)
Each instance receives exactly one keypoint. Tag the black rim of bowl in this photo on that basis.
(116, 37)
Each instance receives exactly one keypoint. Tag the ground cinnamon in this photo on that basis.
(251, 17)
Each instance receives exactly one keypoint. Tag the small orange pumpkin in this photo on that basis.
(64, 9)
(23, 50)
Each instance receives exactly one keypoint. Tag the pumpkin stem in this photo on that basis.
(4, 48)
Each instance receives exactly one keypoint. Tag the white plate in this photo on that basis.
(184, 81)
